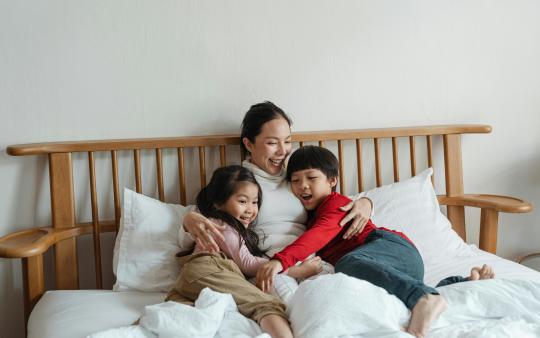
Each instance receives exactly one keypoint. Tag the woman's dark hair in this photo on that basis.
(313, 157)
(256, 117)
(222, 186)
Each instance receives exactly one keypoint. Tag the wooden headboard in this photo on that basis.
(62, 234)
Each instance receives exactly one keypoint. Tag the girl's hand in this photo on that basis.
(266, 273)
(310, 267)
(203, 230)
(360, 212)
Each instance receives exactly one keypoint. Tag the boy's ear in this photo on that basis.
(247, 144)
(333, 181)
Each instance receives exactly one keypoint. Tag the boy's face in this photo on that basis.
(311, 187)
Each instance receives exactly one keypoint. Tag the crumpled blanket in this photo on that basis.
(213, 311)
(339, 305)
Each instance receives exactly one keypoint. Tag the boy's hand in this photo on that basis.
(266, 273)
(360, 212)
(310, 267)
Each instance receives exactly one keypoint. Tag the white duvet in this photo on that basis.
(338, 305)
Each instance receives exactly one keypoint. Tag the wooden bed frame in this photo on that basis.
(30, 244)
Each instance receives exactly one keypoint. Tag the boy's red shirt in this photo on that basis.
(325, 235)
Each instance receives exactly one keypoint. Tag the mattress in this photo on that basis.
(79, 313)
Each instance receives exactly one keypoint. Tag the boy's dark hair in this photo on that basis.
(256, 117)
(222, 186)
(313, 157)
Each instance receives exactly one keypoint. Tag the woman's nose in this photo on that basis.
(281, 148)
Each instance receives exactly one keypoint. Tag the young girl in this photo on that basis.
(232, 198)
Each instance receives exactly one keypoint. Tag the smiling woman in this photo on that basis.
(266, 141)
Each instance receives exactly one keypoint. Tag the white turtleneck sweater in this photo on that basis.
(282, 218)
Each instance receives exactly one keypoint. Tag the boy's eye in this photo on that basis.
(312, 177)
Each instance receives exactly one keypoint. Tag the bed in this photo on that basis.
(398, 161)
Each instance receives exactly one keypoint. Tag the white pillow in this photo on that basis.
(148, 239)
(411, 206)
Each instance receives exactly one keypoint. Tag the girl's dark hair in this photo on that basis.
(222, 186)
(256, 117)
(313, 157)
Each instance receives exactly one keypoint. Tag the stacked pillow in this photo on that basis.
(148, 239)
(411, 207)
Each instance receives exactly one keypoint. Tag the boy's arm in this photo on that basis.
(325, 228)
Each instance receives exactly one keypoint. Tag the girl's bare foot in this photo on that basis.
(485, 272)
(428, 308)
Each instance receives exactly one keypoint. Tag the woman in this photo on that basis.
(266, 139)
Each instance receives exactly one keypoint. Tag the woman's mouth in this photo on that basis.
(277, 163)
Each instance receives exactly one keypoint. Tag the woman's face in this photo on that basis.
(271, 146)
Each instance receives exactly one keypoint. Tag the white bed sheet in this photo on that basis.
(79, 313)
(461, 266)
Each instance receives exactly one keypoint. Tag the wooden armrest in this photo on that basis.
(494, 202)
(35, 241)
(490, 205)
(521, 259)
(31, 242)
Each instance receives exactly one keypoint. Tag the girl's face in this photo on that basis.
(271, 146)
(243, 204)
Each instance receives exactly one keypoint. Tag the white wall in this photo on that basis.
(117, 69)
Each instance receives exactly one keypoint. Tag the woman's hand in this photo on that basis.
(203, 230)
(310, 267)
(266, 273)
(360, 212)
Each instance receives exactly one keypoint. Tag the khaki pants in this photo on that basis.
(222, 275)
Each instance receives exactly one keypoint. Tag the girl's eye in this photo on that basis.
(272, 143)
(295, 181)
(242, 202)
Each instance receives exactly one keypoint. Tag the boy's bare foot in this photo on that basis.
(485, 272)
(428, 308)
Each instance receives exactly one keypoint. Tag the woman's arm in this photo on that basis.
(360, 213)
(203, 230)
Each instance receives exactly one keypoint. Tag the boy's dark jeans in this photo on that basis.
(393, 263)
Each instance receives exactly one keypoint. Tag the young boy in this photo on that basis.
(384, 257)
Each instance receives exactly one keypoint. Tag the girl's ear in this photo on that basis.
(333, 181)
(247, 143)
